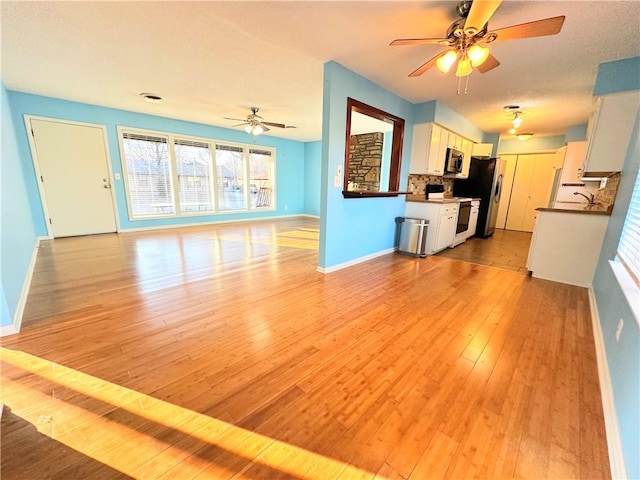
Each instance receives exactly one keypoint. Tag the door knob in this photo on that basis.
(106, 185)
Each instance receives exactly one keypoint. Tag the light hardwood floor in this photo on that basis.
(219, 352)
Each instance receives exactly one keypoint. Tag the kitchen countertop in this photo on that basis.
(577, 207)
(441, 200)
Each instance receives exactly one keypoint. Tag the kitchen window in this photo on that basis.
(626, 265)
(170, 175)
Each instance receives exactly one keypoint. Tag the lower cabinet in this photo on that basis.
(565, 247)
(473, 218)
(443, 218)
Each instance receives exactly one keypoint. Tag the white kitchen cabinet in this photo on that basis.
(610, 131)
(573, 162)
(482, 149)
(443, 218)
(467, 147)
(565, 247)
(425, 150)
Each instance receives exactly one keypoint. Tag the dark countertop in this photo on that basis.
(569, 207)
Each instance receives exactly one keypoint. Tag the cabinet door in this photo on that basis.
(435, 161)
(611, 132)
(446, 231)
(442, 152)
(573, 162)
(467, 147)
(420, 148)
(482, 149)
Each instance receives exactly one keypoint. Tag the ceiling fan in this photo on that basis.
(255, 124)
(466, 36)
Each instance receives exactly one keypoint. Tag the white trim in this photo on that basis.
(24, 293)
(355, 261)
(36, 165)
(216, 222)
(630, 290)
(616, 456)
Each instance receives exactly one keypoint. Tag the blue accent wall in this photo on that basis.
(312, 174)
(434, 111)
(576, 133)
(17, 233)
(352, 228)
(623, 357)
(534, 144)
(618, 76)
(290, 156)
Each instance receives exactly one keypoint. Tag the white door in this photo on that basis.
(71, 160)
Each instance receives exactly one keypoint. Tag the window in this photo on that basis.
(629, 247)
(260, 178)
(626, 266)
(195, 176)
(149, 179)
(230, 167)
(169, 175)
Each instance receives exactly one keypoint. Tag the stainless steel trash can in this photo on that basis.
(412, 236)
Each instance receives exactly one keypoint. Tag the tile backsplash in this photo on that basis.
(417, 183)
(607, 196)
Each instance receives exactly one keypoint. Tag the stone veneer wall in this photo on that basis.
(365, 159)
(607, 196)
(417, 185)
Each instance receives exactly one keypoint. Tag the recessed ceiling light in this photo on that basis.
(152, 97)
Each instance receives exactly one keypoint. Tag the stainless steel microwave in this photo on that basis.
(453, 162)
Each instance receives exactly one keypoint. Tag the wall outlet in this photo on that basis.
(619, 329)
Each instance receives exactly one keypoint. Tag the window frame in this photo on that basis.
(626, 274)
(213, 183)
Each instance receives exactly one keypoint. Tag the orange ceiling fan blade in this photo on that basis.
(420, 41)
(424, 67)
(489, 64)
(480, 13)
(539, 28)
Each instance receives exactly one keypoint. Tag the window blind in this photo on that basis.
(148, 172)
(629, 246)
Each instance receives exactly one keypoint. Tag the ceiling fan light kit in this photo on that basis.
(465, 36)
(254, 124)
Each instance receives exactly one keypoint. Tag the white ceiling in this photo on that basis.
(217, 59)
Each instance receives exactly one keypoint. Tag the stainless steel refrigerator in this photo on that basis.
(485, 182)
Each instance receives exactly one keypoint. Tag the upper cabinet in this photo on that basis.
(429, 149)
(610, 131)
(573, 162)
(482, 149)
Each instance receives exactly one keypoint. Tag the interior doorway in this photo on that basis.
(74, 177)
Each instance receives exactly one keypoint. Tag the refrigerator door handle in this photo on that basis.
(498, 192)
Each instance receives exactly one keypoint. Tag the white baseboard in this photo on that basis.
(616, 457)
(24, 293)
(355, 261)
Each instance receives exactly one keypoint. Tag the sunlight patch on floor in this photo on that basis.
(135, 433)
(305, 238)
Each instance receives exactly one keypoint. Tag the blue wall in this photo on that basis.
(439, 113)
(534, 144)
(17, 232)
(352, 228)
(623, 357)
(618, 76)
(290, 162)
(312, 174)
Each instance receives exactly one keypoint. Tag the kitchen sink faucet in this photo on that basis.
(591, 198)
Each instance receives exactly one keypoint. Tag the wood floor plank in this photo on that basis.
(218, 351)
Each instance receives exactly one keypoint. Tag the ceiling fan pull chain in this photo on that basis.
(466, 85)
(459, 80)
